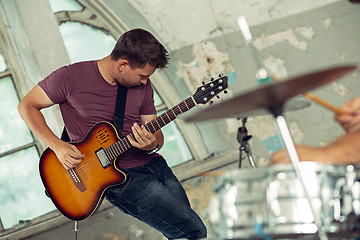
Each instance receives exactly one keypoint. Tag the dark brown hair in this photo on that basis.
(140, 47)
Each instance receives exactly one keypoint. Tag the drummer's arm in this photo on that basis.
(345, 150)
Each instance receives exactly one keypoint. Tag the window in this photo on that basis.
(20, 182)
(21, 190)
(175, 150)
(65, 5)
(84, 42)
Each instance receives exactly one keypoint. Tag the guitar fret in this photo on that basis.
(148, 127)
(108, 152)
(162, 120)
(186, 105)
(179, 108)
(168, 117)
(121, 145)
(112, 153)
(157, 123)
(117, 152)
(151, 122)
(173, 112)
(127, 143)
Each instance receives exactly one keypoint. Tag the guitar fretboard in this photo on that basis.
(123, 144)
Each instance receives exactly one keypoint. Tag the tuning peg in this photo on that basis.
(225, 92)
(221, 75)
(217, 96)
(212, 79)
(203, 82)
(211, 103)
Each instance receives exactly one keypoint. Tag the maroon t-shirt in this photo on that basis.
(85, 98)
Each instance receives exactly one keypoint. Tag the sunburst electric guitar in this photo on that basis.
(78, 192)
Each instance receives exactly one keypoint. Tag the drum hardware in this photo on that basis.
(243, 138)
(272, 97)
(269, 203)
(276, 110)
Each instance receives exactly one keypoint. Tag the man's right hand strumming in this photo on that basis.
(68, 154)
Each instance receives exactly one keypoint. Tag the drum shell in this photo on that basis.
(273, 198)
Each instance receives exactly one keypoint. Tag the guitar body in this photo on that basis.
(74, 202)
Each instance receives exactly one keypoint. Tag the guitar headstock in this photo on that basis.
(206, 92)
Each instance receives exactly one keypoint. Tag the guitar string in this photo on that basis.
(121, 145)
(81, 168)
(90, 162)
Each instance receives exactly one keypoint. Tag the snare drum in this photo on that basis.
(252, 203)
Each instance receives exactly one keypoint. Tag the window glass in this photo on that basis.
(157, 99)
(22, 195)
(175, 149)
(85, 43)
(2, 64)
(65, 5)
(13, 131)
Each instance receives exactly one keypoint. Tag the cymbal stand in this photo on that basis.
(243, 138)
(276, 110)
(294, 158)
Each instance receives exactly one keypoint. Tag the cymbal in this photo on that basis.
(290, 105)
(270, 95)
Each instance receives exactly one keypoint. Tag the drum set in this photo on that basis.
(300, 200)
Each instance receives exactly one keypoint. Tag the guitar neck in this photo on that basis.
(169, 115)
(123, 144)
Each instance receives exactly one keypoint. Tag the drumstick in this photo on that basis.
(324, 103)
(213, 173)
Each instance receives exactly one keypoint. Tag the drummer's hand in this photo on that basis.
(305, 153)
(350, 122)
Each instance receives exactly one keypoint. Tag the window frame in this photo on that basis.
(96, 14)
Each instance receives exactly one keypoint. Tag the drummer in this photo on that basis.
(344, 150)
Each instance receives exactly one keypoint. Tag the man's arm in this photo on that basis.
(146, 140)
(29, 109)
(345, 150)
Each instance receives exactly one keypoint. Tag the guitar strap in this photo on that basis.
(119, 112)
(65, 136)
(120, 108)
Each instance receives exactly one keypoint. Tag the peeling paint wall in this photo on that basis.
(291, 38)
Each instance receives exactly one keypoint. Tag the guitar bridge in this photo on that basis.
(76, 180)
(104, 160)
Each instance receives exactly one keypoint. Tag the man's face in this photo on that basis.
(131, 77)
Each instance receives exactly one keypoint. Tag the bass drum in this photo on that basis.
(269, 202)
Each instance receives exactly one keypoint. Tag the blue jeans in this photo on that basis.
(154, 195)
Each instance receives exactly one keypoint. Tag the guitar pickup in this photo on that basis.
(102, 157)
